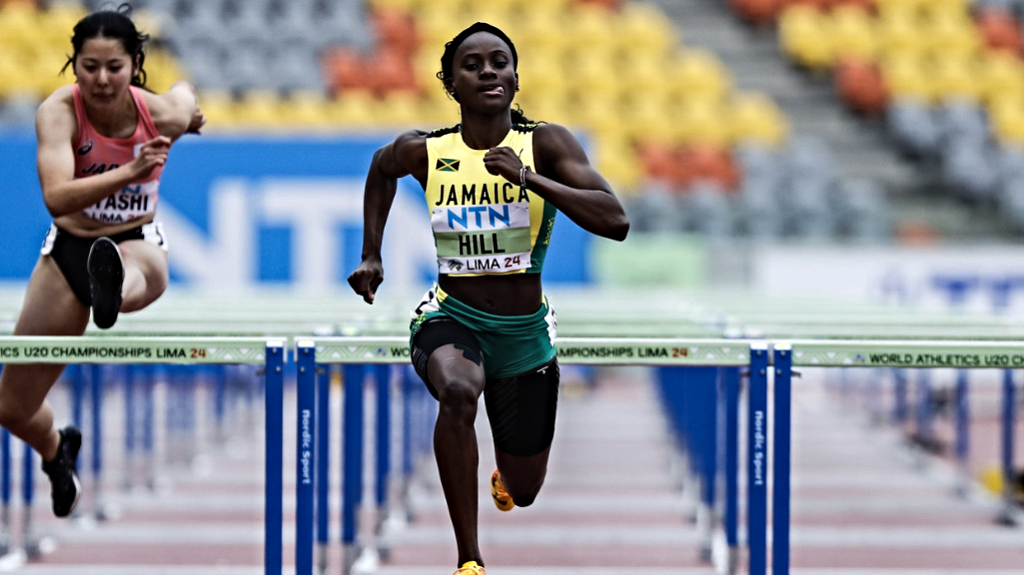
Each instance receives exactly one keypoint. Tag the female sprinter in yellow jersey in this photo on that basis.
(493, 184)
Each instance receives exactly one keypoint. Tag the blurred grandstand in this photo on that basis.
(863, 121)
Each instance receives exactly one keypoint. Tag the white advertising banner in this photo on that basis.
(975, 278)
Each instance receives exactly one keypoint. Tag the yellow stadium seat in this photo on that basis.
(901, 34)
(1000, 74)
(259, 108)
(558, 110)
(754, 117)
(900, 8)
(354, 109)
(305, 110)
(955, 78)
(907, 76)
(950, 34)
(853, 33)
(596, 112)
(589, 25)
(698, 73)
(425, 65)
(540, 35)
(1007, 119)
(399, 110)
(805, 36)
(435, 28)
(11, 73)
(646, 120)
(589, 75)
(645, 74)
(59, 19)
(544, 78)
(219, 109)
(644, 27)
(19, 25)
(948, 7)
(618, 163)
(497, 14)
(162, 70)
(702, 121)
(436, 114)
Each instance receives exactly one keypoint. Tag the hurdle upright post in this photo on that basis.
(6, 544)
(1007, 514)
(757, 459)
(323, 433)
(731, 464)
(352, 461)
(274, 470)
(781, 447)
(963, 432)
(304, 461)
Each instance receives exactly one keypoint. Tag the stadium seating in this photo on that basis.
(654, 111)
(950, 72)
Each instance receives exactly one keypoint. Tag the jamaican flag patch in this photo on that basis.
(447, 165)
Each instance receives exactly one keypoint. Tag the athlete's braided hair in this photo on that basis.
(448, 58)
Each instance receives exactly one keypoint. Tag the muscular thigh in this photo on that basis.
(50, 307)
(522, 410)
(444, 349)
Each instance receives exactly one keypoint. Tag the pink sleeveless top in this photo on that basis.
(95, 154)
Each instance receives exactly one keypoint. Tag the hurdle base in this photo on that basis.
(350, 553)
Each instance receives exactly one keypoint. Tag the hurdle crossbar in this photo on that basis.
(269, 353)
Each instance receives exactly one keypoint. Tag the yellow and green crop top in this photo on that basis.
(484, 224)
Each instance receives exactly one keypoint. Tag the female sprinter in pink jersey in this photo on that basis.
(102, 145)
(493, 185)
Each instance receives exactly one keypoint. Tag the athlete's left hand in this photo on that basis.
(503, 162)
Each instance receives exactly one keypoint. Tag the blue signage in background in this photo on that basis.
(244, 211)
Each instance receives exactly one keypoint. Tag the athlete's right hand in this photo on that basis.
(366, 279)
(152, 154)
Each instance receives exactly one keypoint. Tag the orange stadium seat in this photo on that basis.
(395, 31)
(706, 163)
(389, 71)
(343, 66)
(860, 86)
(757, 12)
(999, 30)
(659, 162)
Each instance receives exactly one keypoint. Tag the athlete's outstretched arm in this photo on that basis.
(567, 180)
(405, 156)
(176, 111)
